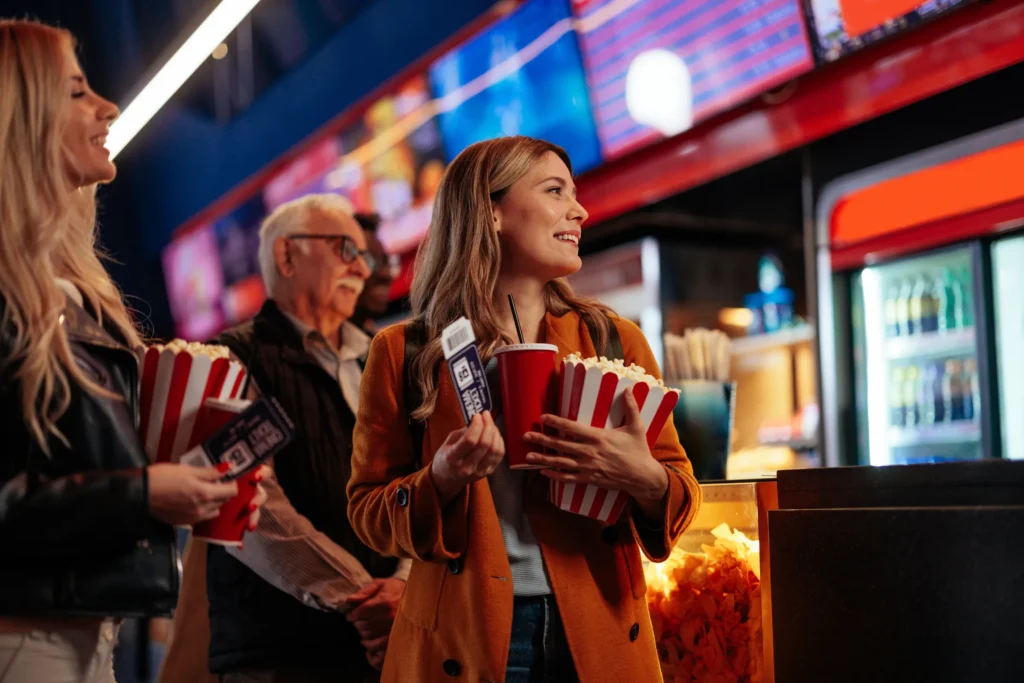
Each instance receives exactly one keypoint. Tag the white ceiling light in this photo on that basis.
(214, 29)
(659, 93)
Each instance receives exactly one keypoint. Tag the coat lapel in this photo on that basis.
(569, 334)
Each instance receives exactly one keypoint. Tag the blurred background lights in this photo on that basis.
(659, 92)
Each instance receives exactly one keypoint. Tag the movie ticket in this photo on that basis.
(466, 369)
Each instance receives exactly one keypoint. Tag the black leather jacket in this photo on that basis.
(76, 537)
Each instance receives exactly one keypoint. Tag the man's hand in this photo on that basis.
(373, 612)
(376, 658)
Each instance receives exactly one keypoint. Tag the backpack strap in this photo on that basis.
(415, 338)
(613, 347)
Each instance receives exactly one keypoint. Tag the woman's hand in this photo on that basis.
(259, 498)
(182, 494)
(616, 459)
(467, 454)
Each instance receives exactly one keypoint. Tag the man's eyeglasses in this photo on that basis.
(344, 246)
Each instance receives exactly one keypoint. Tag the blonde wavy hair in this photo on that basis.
(457, 265)
(47, 230)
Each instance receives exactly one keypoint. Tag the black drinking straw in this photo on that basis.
(515, 317)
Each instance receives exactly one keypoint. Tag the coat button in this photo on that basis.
(451, 667)
(634, 632)
(402, 496)
(455, 566)
(610, 535)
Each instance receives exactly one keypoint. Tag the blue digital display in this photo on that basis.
(521, 76)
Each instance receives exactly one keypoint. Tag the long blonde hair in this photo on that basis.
(458, 263)
(47, 230)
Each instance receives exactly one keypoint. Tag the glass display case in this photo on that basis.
(1007, 289)
(916, 356)
(710, 602)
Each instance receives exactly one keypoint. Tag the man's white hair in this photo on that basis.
(293, 218)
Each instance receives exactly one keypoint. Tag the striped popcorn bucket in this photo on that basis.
(596, 397)
(174, 387)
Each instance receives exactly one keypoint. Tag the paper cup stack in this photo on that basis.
(176, 380)
(593, 392)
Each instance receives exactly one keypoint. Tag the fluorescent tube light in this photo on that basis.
(211, 33)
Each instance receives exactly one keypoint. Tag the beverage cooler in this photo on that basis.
(916, 352)
(920, 309)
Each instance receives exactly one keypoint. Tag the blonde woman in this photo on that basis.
(86, 525)
(504, 585)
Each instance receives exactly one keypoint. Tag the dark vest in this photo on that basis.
(252, 623)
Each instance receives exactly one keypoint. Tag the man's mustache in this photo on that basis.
(354, 283)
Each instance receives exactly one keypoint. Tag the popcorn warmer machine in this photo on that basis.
(710, 601)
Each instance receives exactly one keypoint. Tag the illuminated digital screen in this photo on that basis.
(844, 26)
(657, 67)
(521, 76)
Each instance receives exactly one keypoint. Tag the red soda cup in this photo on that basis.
(228, 527)
(528, 388)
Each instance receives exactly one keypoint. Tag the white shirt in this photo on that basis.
(343, 364)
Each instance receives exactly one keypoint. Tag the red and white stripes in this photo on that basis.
(596, 397)
(174, 386)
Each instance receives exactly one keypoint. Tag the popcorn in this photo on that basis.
(706, 611)
(176, 379)
(214, 351)
(619, 367)
(593, 392)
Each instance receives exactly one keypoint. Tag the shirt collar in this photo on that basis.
(354, 342)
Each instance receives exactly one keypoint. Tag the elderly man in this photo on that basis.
(303, 600)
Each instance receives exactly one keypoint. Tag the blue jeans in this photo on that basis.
(539, 652)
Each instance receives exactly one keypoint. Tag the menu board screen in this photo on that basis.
(389, 162)
(521, 76)
(656, 67)
(845, 26)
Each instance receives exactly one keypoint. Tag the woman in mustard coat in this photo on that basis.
(505, 586)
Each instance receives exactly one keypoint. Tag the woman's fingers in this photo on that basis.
(559, 445)
(208, 511)
(218, 493)
(470, 440)
(556, 461)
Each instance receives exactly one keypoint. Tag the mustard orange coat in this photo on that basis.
(456, 615)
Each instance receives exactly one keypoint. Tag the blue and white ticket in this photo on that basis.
(465, 367)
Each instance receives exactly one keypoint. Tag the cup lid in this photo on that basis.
(527, 347)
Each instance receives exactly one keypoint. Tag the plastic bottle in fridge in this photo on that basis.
(953, 391)
(940, 405)
(972, 390)
(931, 323)
(906, 323)
(922, 306)
(949, 296)
(892, 325)
(897, 408)
(966, 283)
(927, 392)
(911, 377)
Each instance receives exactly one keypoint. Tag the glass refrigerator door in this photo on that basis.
(916, 360)
(1007, 289)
